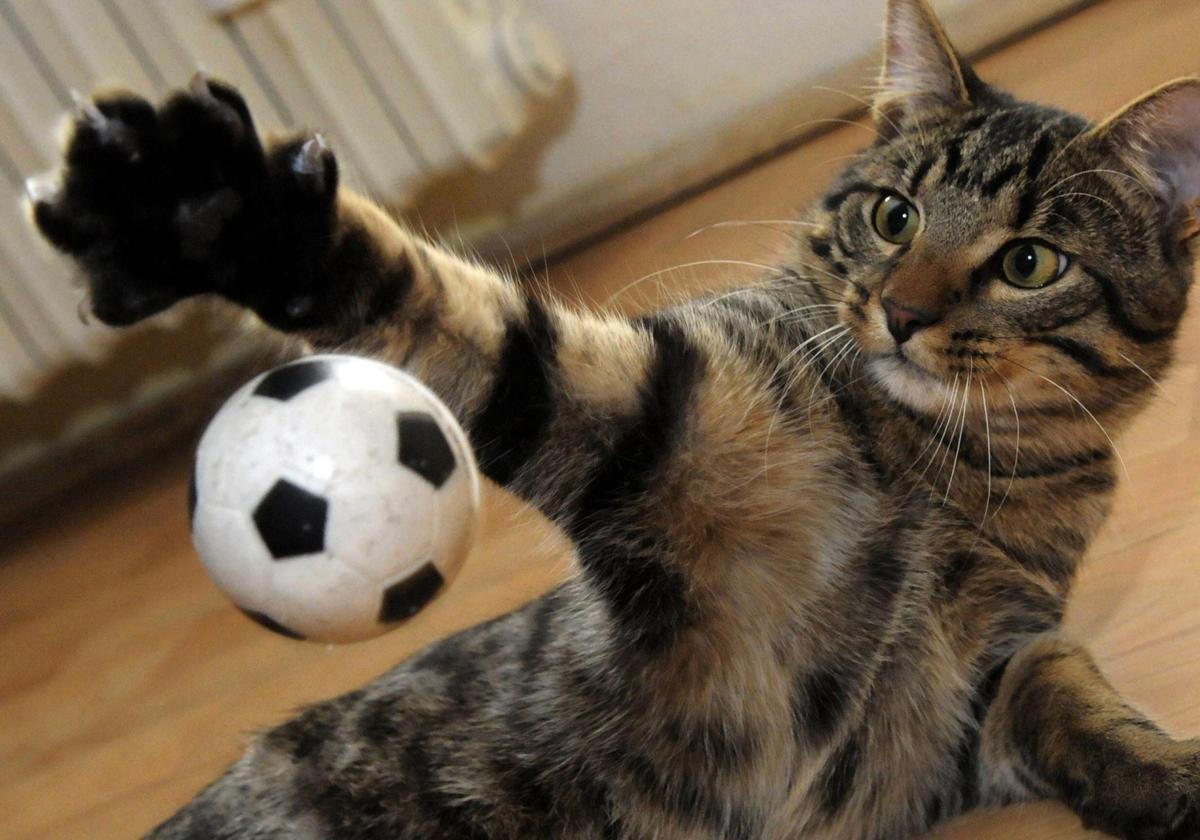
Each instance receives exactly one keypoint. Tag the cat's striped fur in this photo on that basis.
(818, 585)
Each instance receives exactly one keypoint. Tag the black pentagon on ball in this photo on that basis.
(285, 382)
(291, 520)
(270, 623)
(405, 598)
(423, 447)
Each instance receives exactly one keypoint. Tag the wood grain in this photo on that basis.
(127, 681)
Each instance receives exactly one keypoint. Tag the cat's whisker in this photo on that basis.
(937, 424)
(1104, 201)
(810, 357)
(835, 394)
(813, 354)
(682, 266)
(919, 127)
(805, 343)
(987, 428)
(941, 425)
(855, 359)
(768, 223)
(840, 158)
(787, 387)
(1012, 479)
(1086, 410)
(936, 442)
(1050, 191)
(798, 129)
(1061, 152)
(1153, 381)
(775, 416)
(745, 290)
(850, 351)
(961, 429)
(846, 347)
(870, 106)
(877, 113)
(851, 344)
(943, 445)
(804, 308)
(842, 281)
(1053, 214)
(822, 283)
(800, 310)
(829, 294)
(875, 89)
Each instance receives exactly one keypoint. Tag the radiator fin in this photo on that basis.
(405, 90)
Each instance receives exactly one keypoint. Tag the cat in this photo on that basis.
(824, 526)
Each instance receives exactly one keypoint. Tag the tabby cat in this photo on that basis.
(824, 526)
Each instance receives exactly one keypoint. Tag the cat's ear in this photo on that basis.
(920, 66)
(1158, 138)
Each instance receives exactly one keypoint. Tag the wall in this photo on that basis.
(668, 92)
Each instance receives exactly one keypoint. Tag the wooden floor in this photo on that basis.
(127, 681)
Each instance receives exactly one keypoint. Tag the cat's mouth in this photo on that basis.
(911, 364)
(910, 382)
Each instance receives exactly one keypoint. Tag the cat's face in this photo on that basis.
(986, 249)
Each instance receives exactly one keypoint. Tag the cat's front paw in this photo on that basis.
(1155, 799)
(161, 203)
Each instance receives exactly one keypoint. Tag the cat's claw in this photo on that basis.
(198, 85)
(310, 159)
(43, 188)
(313, 165)
(235, 123)
(86, 111)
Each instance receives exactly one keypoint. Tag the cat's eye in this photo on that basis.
(896, 220)
(1032, 265)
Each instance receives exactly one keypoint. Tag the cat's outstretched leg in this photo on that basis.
(590, 418)
(573, 412)
(1058, 729)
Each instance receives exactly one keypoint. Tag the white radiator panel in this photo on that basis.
(405, 89)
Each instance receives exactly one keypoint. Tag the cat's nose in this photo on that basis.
(903, 322)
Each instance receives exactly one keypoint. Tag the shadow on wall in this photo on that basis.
(154, 388)
(469, 204)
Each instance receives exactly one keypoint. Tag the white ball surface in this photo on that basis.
(333, 497)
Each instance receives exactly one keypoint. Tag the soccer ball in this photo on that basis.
(332, 498)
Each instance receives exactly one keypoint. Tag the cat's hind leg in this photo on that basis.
(1058, 729)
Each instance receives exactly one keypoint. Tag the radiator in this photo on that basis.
(406, 89)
